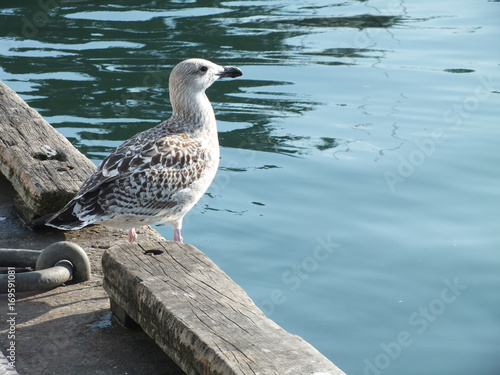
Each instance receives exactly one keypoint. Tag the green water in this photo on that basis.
(357, 200)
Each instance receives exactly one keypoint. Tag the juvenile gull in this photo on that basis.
(158, 175)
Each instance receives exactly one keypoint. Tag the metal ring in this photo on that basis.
(59, 263)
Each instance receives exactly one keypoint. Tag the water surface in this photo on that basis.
(358, 193)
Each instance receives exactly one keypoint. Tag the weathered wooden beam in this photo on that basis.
(203, 320)
(42, 165)
(70, 324)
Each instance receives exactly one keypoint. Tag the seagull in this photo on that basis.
(158, 175)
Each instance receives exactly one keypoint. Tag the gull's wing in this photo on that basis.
(139, 177)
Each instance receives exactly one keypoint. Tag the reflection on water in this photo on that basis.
(112, 61)
(368, 123)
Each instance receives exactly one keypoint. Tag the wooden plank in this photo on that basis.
(203, 320)
(42, 165)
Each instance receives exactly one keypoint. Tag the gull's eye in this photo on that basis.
(203, 68)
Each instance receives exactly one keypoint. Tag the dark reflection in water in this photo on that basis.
(97, 63)
(359, 21)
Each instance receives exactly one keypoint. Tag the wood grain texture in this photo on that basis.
(203, 320)
(42, 165)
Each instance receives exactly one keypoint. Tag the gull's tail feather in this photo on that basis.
(66, 219)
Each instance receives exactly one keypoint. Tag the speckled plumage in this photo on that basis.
(158, 175)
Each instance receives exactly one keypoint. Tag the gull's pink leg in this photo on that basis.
(177, 235)
(132, 236)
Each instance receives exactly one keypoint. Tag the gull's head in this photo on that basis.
(196, 75)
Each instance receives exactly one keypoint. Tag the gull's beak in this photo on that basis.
(230, 72)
